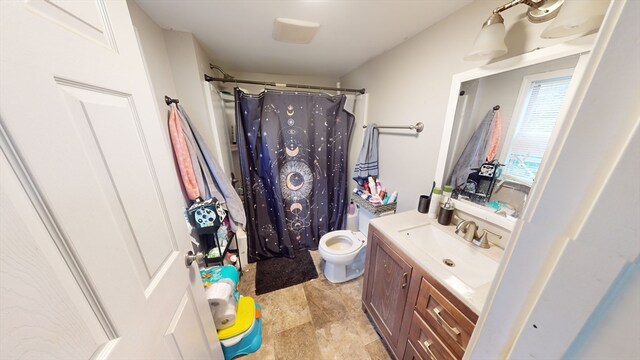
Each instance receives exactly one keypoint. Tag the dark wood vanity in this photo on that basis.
(416, 316)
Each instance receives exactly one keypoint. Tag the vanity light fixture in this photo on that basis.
(576, 17)
(571, 17)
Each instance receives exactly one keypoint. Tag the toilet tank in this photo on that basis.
(364, 216)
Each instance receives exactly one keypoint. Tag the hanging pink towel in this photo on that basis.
(494, 136)
(181, 152)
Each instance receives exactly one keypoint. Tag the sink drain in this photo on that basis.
(449, 262)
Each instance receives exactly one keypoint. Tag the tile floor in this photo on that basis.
(314, 320)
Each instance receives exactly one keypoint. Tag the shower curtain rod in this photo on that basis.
(269, 83)
(417, 127)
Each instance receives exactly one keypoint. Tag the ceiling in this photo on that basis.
(237, 34)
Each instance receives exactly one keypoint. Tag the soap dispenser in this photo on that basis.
(446, 213)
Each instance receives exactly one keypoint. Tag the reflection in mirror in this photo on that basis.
(502, 128)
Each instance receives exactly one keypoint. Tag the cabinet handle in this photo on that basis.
(405, 277)
(427, 346)
(452, 329)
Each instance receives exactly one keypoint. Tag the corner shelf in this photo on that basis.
(223, 252)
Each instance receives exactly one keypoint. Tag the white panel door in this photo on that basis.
(93, 262)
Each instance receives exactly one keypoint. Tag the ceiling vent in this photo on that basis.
(294, 31)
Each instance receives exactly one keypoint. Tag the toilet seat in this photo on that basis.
(341, 242)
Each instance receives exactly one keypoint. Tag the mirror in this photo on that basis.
(522, 100)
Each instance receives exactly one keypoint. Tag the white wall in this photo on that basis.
(189, 64)
(176, 64)
(411, 82)
(601, 337)
(156, 58)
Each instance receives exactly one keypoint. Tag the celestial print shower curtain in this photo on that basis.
(293, 150)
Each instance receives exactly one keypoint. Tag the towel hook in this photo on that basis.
(170, 101)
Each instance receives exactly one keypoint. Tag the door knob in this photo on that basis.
(190, 257)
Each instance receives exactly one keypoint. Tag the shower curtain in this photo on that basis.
(293, 150)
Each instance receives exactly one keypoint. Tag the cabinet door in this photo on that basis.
(388, 289)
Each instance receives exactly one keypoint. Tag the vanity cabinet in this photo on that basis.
(386, 298)
(416, 316)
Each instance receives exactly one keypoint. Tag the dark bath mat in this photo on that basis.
(279, 273)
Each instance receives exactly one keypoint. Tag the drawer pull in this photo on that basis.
(452, 329)
(427, 346)
(405, 277)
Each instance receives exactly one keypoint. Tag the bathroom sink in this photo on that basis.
(465, 261)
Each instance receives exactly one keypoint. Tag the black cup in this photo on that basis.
(423, 204)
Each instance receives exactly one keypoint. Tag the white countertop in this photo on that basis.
(391, 225)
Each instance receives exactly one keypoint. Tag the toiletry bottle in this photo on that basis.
(363, 194)
(372, 186)
(378, 186)
(446, 194)
(434, 206)
(352, 208)
(393, 197)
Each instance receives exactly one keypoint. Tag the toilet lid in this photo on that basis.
(341, 242)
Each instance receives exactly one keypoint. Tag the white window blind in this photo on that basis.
(535, 125)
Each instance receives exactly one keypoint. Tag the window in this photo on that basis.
(539, 103)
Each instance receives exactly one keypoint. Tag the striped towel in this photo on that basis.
(367, 164)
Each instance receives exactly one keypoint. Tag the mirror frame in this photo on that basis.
(581, 46)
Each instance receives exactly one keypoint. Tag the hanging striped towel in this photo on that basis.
(367, 164)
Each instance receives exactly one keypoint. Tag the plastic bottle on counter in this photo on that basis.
(372, 186)
(434, 205)
(363, 194)
(446, 194)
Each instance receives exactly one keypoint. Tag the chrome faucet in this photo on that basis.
(482, 241)
(468, 228)
(470, 233)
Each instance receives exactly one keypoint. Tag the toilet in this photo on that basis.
(344, 253)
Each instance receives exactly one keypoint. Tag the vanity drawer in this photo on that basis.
(453, 327)
(426, 343)
(410, 353)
